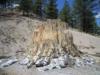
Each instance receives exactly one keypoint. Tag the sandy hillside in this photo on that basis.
(16, 35)
(86, 42)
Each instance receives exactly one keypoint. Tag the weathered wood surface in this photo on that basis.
(52, 39)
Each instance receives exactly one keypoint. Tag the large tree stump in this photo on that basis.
(52, 39)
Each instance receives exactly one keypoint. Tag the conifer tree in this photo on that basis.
(37, 8)
(51, 10)
(26, 6)
(65, 13)
(84, 16)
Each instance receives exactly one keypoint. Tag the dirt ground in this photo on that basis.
(21, 70)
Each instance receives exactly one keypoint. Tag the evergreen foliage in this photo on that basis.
(26, 6)
(65, 13)
(51, 10)
(83, 15)
(37, 7)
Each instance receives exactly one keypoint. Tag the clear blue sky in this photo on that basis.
(60, 5)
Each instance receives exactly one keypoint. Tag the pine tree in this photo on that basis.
(37, 8)
(83, 15)
(26, 6)
(65, 13)
(51, 10)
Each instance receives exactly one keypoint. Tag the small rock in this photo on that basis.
(8, 63)
(42, 62)
(24, 61)
(79, 62)
(29, 65)
(88, 60)
(83, 61)
(63, 61)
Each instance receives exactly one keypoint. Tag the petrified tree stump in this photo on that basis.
(52, 39)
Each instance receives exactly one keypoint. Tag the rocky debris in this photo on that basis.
(61, 62)
(88, 60)
(56, 63)
(30, 64)
(64, 61)
(7, 62)
(45, 63)
(42, 62)
(84, 60)
(24, 61)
